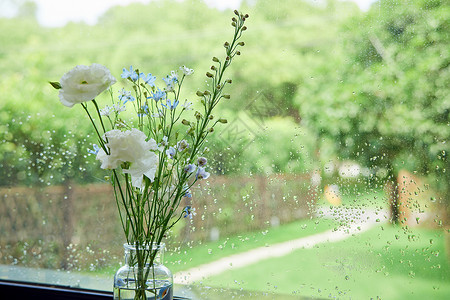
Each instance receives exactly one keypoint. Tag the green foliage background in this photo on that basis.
(341, 84)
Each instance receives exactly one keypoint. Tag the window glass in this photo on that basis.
(330, 179)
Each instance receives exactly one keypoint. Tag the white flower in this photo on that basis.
(84, 83)
(130, 146)
(187, 105)
(119, 107)
(105, 111)
(186, 71)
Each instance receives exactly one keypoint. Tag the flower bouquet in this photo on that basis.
(154, 158)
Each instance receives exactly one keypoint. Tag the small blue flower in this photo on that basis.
(158, 95)
(171, 152)
(170, 105)
(189, 212)
(188, 194)
(182, 145)
(131, 74)
(96, 149)
(171, 80)
(149, 79)
(186, 211)
(125, 96)
(201, 173)
(189, 168)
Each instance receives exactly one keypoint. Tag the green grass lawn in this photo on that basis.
(385, 262)
(199, 254)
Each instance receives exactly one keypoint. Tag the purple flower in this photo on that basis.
(171, 152)
(189, 168)
(202, 161)
(182, 145)
(201, 173)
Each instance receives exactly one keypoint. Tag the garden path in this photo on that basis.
(361, 221)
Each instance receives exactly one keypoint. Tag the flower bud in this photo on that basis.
(236, 12)
(211, 130)
(226, 96)
(233, 19)
(238, 52)
(211, 117)
(241, 43)
(244, 28)
(218, 86)
(55, 84)
(197, 115)
(185, 122)
(226, 45)
(215, 59)
(199, 94)
(233, 24)
(209, 75)
(223, 121)
(207, 93)
(202, 161)
(246, 16)
(213, 68)
(228, 81)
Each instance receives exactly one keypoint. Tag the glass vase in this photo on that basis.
(143, 277)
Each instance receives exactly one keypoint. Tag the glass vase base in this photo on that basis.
(161, 293)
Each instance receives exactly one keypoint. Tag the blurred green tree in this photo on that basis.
(384, 96)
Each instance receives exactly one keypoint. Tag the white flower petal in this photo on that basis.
(84, 83)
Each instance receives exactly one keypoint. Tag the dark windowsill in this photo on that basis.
(22, 290)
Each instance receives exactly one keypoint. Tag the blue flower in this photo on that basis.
(189, 168)
(125, 96)
(201, 173)
(158, 95)
(182, 145)
(171, 105)
(188, 193)
(96, 149)
(149, 79)
(189, 212)
(171, 152)
(171, 80)
(131, 74)
(186, 211)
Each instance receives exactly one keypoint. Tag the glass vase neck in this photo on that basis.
(144, 251)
